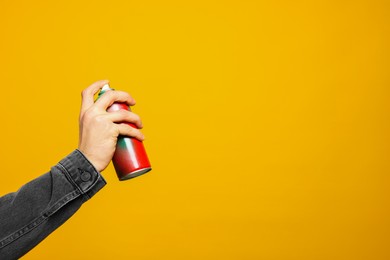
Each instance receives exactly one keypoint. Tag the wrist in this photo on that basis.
(91, 160)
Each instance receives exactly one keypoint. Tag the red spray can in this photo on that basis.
(130, 159)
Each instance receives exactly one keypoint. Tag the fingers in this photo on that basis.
(88, 93)
(108, 98)
(125, 116)
(126, 130)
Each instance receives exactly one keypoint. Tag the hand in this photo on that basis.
(99, 129)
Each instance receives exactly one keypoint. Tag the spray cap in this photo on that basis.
(106, 87)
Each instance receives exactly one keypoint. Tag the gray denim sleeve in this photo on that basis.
(39, 207)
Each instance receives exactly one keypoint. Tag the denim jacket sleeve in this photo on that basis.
(30, 214)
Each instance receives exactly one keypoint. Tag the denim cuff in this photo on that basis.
(82, 174)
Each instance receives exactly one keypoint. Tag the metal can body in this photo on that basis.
(130, 159)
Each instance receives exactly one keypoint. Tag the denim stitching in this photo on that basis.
(69, 177)
(78, 187)
(39, 220)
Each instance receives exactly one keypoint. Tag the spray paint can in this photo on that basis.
(130, 159)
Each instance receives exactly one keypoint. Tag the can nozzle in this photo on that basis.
(106, 87)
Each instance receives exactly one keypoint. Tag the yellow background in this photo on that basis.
(266, 122)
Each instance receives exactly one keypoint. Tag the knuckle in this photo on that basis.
(123, 113)
(98, 119)
(127, 96)
(84, 92)
(124, 95)
(134, 116)
(89, 115)
(131, 130)
(138, 133)
(109, 94)
(137, 118)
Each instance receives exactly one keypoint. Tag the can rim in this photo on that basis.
(134, 174)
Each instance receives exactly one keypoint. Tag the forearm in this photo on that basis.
(42, 205)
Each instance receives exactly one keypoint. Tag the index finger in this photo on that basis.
(111, 96)
(88, 94)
